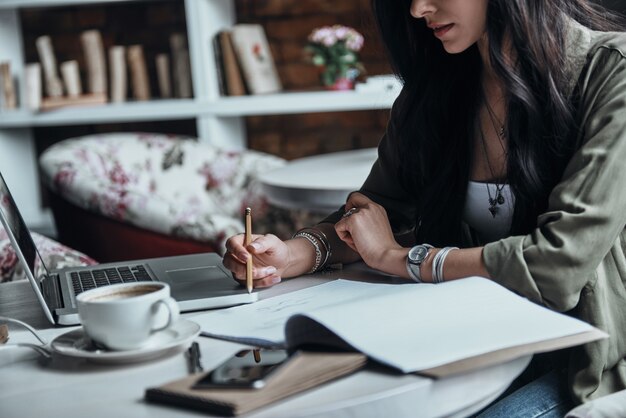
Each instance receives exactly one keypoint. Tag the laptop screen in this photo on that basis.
(17, 230)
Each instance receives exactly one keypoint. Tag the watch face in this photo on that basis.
(417, 254)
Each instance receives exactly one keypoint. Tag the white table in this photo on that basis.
(319, 183)
(69, 388)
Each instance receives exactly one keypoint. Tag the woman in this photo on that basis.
(508, 141)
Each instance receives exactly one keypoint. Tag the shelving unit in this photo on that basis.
(219, 120)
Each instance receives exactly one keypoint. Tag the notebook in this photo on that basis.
(197, 281)
(303, 371)
(436, 330)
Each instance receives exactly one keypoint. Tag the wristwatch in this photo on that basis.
(414, 260)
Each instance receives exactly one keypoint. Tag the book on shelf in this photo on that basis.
(181, 66)
(255, 58)
(32, 86)
(117, 70)
(71, 78)
(91, 41)
(435, 330)
(229, 73)
(219, 65)
(162, 62)
(303, 371)
(7, 86)
(52, 81)
(140, 82)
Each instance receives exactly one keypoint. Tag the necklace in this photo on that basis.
(498, 198)
(494, 119)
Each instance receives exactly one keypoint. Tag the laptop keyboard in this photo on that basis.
(90, 279)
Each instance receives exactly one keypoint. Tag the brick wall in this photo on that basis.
(287, 24)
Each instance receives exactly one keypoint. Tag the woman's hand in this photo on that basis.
(365, 228)
(270, 257)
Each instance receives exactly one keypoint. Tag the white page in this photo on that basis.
(419, 327)
(410, 326)
(266, 319)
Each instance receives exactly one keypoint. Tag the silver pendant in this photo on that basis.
(493, 208)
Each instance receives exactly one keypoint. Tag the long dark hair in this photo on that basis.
(434, 117)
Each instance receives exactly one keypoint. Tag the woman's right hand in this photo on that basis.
(270, 257)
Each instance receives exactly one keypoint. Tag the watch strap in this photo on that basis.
(413, 268)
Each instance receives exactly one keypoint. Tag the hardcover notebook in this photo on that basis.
(436, 330)
(254, 56)
(304, 370)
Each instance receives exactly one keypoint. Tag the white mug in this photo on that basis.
(124, 316)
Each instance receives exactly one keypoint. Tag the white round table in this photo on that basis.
(321, 182)
(68, 388)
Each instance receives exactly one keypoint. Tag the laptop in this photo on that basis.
(197, 281)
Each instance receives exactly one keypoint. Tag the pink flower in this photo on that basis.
(330, 40)
(330, 35)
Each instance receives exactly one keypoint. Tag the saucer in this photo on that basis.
(176, 338)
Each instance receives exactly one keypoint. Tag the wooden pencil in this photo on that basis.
(247, 241)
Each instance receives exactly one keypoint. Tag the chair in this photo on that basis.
(54, 254)
(127, 196)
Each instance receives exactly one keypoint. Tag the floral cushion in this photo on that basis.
(168, 184)
(55, 256)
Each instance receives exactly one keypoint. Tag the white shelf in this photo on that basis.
(109, 113)
(21, 4)
(306, 102)
(273, 104)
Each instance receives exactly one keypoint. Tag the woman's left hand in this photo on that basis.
(365, 228)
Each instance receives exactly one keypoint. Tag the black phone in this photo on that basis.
(246, 369)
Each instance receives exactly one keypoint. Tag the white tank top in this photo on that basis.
(477, 215)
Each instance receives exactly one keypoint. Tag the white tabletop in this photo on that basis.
(75, 388)
(321, 182)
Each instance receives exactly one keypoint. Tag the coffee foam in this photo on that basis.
(126, 293)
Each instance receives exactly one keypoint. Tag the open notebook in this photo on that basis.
(436, 330)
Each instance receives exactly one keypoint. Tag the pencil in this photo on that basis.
(247, 241)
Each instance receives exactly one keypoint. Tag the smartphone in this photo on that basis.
(246, 369)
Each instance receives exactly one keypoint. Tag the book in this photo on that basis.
(435, 330)
(71, 78)
(181, 66)
(303, 371)
(32, 86)
(7, 86)
(219, 65)
(117, 70)
(233, 84)
(162, 62)
(140, 83)
(53, 84)
(255, 58)
(91, 41)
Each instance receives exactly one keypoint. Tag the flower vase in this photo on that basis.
(342, 84)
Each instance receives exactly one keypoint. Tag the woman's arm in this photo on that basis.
(368, 232)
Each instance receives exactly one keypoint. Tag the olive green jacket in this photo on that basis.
(574, 261)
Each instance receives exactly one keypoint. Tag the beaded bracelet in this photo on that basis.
(318, 252)
(321, 238)
(437, 269)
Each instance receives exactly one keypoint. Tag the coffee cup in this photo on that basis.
(124, 316)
